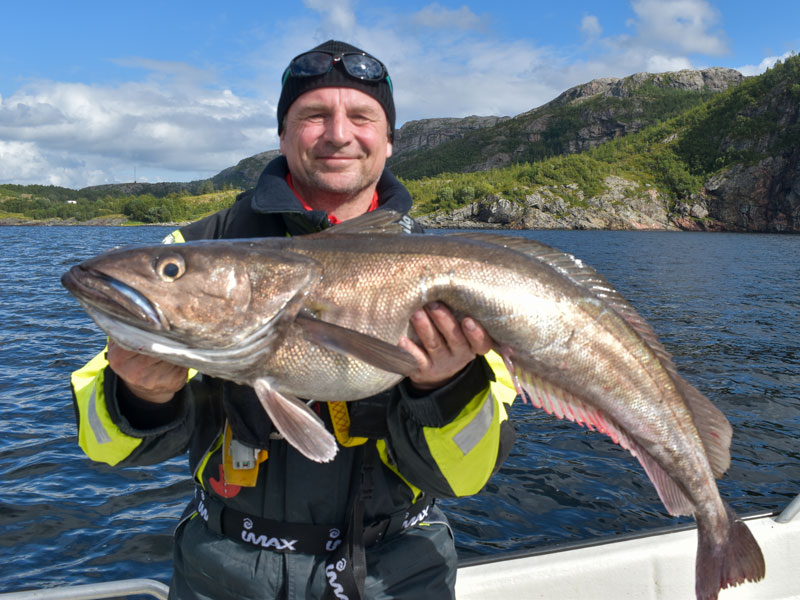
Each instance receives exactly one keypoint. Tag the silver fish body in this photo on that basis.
(337, 302)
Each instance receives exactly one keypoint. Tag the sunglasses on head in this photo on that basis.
(356, 64)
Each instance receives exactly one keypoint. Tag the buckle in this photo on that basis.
(375, 532)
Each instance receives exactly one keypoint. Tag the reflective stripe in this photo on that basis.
(466, 473)
(201, 467)
(465, 450)
(468, 438)
(100, 434)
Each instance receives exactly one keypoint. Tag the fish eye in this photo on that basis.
(170, 267)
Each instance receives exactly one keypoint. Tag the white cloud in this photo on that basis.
(339, 19)
(765, 64)
(437, 16)
(685, 26)
(171, 127)
(176, 70)
(590, 25)
(661, 64)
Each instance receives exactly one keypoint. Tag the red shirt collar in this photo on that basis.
(333, 220)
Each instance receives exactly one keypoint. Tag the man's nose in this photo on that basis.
(338, 129)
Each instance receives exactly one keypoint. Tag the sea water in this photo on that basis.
(725, 305)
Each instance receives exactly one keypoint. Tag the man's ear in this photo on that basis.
(389, 148)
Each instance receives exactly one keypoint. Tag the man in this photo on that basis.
(266, 522)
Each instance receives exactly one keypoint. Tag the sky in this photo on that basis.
(95, 92)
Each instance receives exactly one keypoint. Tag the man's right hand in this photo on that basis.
(148, 378)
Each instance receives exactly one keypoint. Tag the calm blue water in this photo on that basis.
(725, 305)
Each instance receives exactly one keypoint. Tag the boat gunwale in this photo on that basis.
(486, 559)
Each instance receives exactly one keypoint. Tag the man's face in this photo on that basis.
(336, 141)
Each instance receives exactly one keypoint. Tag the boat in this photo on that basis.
(652, 565)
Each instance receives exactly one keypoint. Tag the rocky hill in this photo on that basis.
(579, 119)
(730, 163)
(245, 173)
(426, 134)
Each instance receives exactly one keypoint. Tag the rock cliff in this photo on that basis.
(726, 157)
(764, 197)
(624, 205)
(429, 133)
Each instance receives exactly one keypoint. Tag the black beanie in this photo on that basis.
(293, 87)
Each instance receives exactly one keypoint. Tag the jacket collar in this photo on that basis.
(273, 195)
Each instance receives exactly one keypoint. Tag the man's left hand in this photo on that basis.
(445, 346)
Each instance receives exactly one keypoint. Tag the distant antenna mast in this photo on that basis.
(134, 174)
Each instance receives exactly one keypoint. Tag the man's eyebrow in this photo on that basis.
(324, 108)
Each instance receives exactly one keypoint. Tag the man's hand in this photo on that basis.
(445, 345)
(148, 378)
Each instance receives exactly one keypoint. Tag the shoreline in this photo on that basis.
(714, 227)
(98, 222)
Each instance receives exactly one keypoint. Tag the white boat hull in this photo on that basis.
(659, 567)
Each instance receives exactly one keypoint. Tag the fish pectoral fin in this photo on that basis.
(366, 348)
(565, 405)
(296, 422)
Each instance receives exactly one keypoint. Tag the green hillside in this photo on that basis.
(564, 126)
(739, 126)
(39, 203)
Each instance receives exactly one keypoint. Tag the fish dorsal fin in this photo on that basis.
(376, 221)
(366, 348)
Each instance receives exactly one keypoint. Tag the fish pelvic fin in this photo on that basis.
(719, 565)
(563, 404)
(296, 422)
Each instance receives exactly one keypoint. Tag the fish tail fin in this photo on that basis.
(737, 560)
(297, 423)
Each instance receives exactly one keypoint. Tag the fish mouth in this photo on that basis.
(100, 292)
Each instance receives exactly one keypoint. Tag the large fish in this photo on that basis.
(319, 316)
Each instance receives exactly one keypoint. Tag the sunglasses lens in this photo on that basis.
(363, 67)
(311, 63)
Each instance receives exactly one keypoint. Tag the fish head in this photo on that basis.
(220, 296)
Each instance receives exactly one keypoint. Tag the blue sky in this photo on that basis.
(90, 91)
